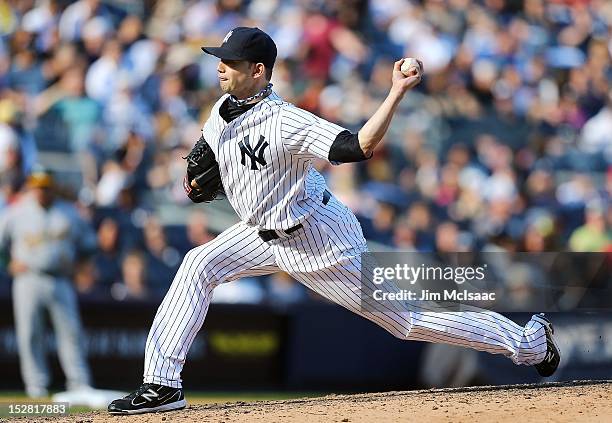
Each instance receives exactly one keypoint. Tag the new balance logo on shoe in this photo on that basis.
(149, 398)
(551, 361)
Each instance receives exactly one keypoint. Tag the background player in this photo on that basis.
(45, 238)
(290, 222)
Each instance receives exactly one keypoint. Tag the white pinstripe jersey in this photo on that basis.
(265, 157)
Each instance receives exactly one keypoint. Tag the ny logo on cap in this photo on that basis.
(229, 34)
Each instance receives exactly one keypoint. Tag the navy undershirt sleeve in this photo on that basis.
(346, 149)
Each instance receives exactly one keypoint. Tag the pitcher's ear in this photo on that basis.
(259, 70)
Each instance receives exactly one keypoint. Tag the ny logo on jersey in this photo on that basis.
(256, 154)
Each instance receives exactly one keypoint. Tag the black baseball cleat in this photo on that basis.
(149, 398)
(551, 361)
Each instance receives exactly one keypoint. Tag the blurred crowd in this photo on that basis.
(506, 144)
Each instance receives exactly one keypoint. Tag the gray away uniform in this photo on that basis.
(48, 241)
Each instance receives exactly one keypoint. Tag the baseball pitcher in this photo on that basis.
(258, 150)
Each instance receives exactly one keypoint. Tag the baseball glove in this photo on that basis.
(202, 167)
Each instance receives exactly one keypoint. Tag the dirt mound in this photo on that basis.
(583, 401)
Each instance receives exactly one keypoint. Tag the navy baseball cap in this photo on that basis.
(243, 43)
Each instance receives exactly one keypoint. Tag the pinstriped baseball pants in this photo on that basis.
(325, 256)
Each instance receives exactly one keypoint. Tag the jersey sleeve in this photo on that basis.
(213, 126)
(208, 132)
(304, 133)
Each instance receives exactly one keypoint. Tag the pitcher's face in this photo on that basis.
(236, 77)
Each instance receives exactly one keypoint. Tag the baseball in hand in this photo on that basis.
(410, 67)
